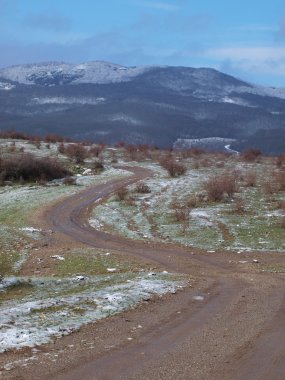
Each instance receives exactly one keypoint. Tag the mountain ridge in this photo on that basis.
(150, 104)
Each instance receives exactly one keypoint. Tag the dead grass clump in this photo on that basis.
(281, 206)
(239, 206)
(268, 188)
(220, 164)
(142, 188)
(220, 187)
(282, 223)
(174, 168)
(122, 193)
(280, 179)
(192, 202)
(182, 214)
(250, 179)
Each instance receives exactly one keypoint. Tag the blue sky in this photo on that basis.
(245, 38)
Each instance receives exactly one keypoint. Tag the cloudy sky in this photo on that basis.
(245, 38)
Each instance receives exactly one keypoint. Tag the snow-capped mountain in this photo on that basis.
(54, 73)
(148, 104)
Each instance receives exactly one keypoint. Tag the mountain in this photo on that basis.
(159, 105)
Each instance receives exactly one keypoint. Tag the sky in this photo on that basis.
(244, 38)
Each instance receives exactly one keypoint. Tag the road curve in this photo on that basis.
(223, 337)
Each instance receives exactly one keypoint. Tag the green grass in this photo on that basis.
(90, 262)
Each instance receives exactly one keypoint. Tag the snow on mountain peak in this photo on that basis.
(54, 73)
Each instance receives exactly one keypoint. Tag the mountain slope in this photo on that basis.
(153, 104)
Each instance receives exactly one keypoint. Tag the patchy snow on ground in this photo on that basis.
(210, 225)
(56, 307)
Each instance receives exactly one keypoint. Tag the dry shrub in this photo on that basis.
(122, 193)
(142, 188)
(250, 179)
(130, 200)
(69, 181)
(281, 205)
(280, 160)
(280, 179)
(174, 168)
(132, 151)
(195, 151)
(26, 167)
(268, 188)
(95, 150)
(98, 166)
(239, 206)
(220, 164)
(182, 214)
(250, 155)
(61, 148)
(282, 223)
(77, 152)
(205, 163)
(221, 186)
(192, 202)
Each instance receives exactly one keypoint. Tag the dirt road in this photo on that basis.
(235, 329)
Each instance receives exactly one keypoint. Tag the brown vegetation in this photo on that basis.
(174, 168)
(221, 186)
(142, 188)
(250, 155)
(26, 167)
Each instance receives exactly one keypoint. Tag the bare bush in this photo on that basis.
(61, 148)
(281, 206)
(77, 152)
(220, 187)
(280, 179)
(122, 193)
(239, 206)
(282, 223)
(268, 188)
(250, 155)
(26, 167)
(142, 188)
(98, 166)
(174, 168)
(250, 179)
(280, 160)
(182, 214)
(95, 150)
(192, 202)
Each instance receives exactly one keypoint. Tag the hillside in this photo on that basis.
(156, 105)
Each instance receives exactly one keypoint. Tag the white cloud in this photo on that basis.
(267, 60)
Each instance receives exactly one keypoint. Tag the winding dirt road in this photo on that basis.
(235, 331)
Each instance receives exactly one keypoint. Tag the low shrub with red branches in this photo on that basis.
(174, 168)
(221, 186)
(28, 168)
